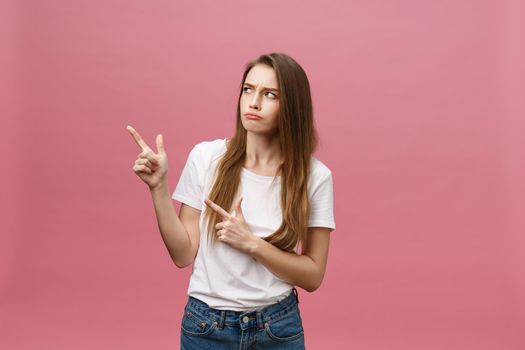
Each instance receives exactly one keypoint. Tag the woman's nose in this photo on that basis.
(254, 103)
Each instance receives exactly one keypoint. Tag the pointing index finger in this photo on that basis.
(217, 208)
(138, 139)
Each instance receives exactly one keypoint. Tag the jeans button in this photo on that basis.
(245, 319)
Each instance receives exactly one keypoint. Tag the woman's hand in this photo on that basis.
(151, 167)
(234, 230)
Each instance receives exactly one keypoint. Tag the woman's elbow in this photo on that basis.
(313, 285)
(182, 264)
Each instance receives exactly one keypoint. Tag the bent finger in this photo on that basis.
(142, 169)
(152, 158)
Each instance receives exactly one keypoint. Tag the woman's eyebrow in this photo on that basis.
(264, 88)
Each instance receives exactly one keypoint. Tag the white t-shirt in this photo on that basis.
(224, 277)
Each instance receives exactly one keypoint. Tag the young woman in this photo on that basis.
(248, 202)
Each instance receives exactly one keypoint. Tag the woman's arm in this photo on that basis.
(181, 241)
(305, 270)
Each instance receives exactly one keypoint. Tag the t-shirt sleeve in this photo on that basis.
(190, 188)
(322, 204)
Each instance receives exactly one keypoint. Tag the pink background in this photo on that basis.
(420, 109)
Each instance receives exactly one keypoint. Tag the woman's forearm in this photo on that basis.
(298, 270)
(173, 232)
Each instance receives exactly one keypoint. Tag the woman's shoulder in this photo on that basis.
(207, 150)
(318, 169)
(212, 145)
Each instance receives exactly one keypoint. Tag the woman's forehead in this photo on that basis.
(262, 75)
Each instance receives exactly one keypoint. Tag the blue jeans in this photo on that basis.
(276, 326)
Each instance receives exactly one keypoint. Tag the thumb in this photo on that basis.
(238, 208)
(160, 144)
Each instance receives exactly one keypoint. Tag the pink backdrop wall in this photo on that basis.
(420, 109)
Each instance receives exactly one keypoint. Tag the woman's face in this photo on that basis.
(260, 97)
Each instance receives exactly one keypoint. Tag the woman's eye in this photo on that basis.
(246, 88)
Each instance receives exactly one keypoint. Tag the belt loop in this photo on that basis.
(296, 295)
(221, 319)
(258, 316)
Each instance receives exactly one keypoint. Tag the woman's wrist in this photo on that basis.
(253, 246)
(160, 187)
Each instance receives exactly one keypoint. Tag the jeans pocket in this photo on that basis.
(287, 328)
(194, 324)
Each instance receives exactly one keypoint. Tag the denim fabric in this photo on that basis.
(277, 326)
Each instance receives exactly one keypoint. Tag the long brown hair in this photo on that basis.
(298, 141)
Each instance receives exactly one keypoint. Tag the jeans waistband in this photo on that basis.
(258, 317)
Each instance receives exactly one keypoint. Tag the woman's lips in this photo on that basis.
(251, 116)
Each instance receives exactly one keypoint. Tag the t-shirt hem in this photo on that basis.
(321, 224)
(211, 301)
(186, 200)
